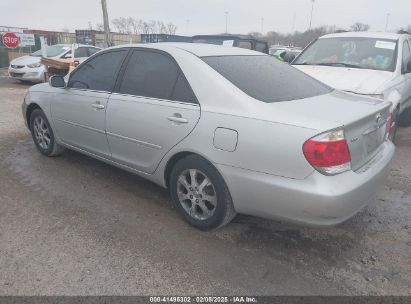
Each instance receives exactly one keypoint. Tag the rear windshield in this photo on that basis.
(266, 78)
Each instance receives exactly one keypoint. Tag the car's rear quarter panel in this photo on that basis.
(262, 146)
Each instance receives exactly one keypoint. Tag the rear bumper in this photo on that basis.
(318, 200)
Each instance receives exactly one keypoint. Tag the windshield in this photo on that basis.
(354, 52)
(52, 51)
(266, 79)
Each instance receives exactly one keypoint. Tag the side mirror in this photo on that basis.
(57, 81)
(289, 57)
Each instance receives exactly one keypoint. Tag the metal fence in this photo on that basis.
(90, 37)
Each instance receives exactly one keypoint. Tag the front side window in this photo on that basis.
(406, 56)
(155, 75)
(353, 52)
(265, 78)
(98, 73)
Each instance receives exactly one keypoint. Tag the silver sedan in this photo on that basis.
(226, 130)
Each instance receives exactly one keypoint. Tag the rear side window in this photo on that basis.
(266, 78)
(155, 75)
(98, 73)
(182, 91)
(149, 74)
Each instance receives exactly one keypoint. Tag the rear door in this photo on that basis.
(152, 110)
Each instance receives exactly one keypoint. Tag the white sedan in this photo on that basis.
(29, 68)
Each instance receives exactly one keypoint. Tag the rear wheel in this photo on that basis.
(405, 118)
(43, 135)
(200, 194)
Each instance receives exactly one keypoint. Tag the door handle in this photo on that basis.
(178, 119)
(98, 106)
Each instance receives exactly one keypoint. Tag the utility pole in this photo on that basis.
(226, 22)
(386, 22)
(312, 10)
(106, 23)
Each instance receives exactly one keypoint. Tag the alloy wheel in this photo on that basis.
(42, 133)
(196, 194)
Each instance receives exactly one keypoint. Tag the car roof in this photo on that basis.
(80, 45)
(378, 35)
(197, 49)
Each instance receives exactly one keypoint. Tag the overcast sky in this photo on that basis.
(207, 16)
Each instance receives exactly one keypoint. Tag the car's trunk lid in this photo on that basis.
(363, 119)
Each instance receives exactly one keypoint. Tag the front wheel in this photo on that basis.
(200, 194)
(43, 135)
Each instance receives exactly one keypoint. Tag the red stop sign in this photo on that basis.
(11, 40)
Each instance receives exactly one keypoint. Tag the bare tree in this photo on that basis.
(300, 39)
(136, 25)
(152, 27)
(146, 28)
(121, 25)
(161, 27)
(256, 35)
(100, 27)
(171, 28)
(360, 27)
(90, 26)
(132, 25)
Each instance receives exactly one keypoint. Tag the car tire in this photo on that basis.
(205, 201)
(405, 118)
(43, 135)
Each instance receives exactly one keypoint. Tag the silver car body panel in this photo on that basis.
(262, 161)
(136, 128)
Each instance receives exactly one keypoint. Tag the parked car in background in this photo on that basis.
(366, 63)
(282, 53)
(242, 41)
(29, 68)
(225, 129)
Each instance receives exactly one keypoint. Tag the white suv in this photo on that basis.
(376, 64)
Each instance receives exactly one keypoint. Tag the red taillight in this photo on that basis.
(328, 153)
(389, 124)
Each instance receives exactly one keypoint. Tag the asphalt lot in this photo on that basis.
(75, 226)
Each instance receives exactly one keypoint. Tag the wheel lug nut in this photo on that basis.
(196, 200)
(191, 196)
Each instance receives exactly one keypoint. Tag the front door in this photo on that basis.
(79, 111)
